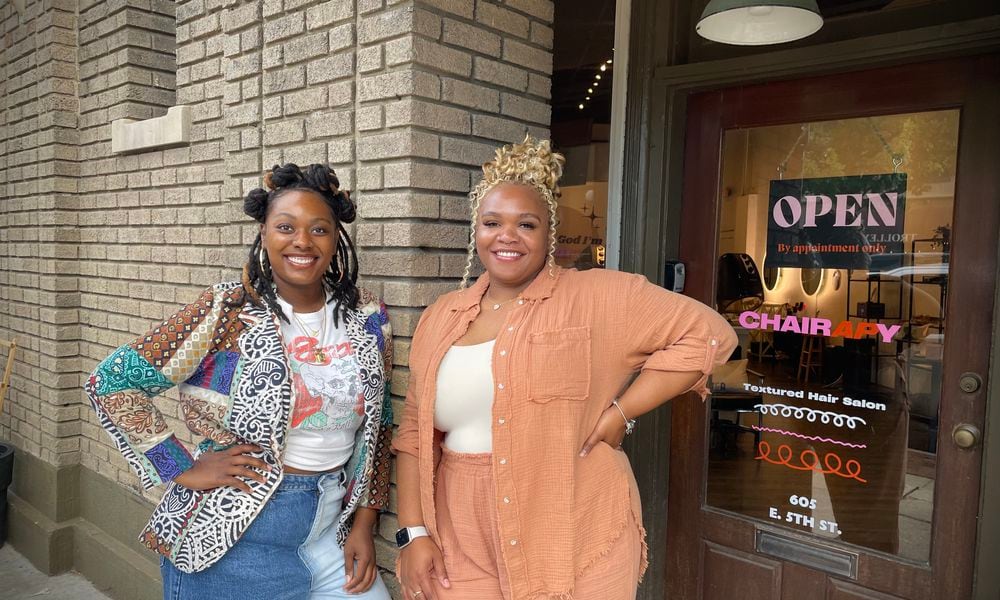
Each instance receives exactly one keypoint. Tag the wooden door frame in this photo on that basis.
(909, 88)
(652, 176)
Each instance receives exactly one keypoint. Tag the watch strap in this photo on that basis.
(407, 534)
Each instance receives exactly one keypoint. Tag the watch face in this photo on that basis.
(402, 537)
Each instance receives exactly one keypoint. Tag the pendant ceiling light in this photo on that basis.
(759, 22)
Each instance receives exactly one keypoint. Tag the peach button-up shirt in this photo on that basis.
(564, 352)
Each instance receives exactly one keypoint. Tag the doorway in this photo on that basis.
(846, 225)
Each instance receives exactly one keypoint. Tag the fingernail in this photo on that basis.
(583, 453)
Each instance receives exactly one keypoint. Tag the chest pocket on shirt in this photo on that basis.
(559, 364)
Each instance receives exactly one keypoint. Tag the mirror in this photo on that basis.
(812, 279)
(772, 275)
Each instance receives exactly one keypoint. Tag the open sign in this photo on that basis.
(831, 222)
(849, 210)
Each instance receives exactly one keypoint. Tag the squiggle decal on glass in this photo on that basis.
(808, 460)
(814, 438)
(809, 414)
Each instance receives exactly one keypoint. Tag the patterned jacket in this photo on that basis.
(228, 361)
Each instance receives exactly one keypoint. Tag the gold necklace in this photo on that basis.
(319, 356)
(497, 305)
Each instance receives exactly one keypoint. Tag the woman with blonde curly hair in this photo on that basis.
(511, 480)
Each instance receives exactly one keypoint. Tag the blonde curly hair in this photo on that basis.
(532, 163)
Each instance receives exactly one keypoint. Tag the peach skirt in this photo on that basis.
(467, 524)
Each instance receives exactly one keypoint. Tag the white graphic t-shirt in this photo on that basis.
(328, 404)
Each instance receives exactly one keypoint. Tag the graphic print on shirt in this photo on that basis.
(326, 385)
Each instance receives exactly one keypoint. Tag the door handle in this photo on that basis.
(966, 436)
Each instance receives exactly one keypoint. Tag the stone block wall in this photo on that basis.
(405, 99)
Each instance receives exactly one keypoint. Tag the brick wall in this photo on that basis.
(38, 260)
(404, 99)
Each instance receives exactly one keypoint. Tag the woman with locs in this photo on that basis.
(512, 483)
(284, 375)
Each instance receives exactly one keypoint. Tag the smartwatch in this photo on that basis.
(407, 534)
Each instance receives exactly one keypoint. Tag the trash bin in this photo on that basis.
(6, 476)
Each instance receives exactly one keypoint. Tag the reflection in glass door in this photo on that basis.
(833, 268)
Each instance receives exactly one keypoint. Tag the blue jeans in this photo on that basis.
(290, 551)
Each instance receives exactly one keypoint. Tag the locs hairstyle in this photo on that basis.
(532, 163)
(341, 277)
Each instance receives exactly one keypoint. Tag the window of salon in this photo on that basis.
(583, 67)
(832, 409)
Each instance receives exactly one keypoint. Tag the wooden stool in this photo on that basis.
(11, 350)
(811, 357)
(764, 338)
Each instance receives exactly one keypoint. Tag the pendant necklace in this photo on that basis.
(319, 335)
(498, 305)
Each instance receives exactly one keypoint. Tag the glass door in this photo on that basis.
(834, 260)
(846, 225)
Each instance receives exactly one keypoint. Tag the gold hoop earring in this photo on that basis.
(260, 260)
(340, 268)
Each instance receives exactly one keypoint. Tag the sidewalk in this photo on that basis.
(22, 581)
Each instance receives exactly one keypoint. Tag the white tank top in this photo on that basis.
(463, 409)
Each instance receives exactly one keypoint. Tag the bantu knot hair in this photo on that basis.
(255, 204)
(317, 178)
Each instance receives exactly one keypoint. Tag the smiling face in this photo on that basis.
(512, 234)
(300, 237)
